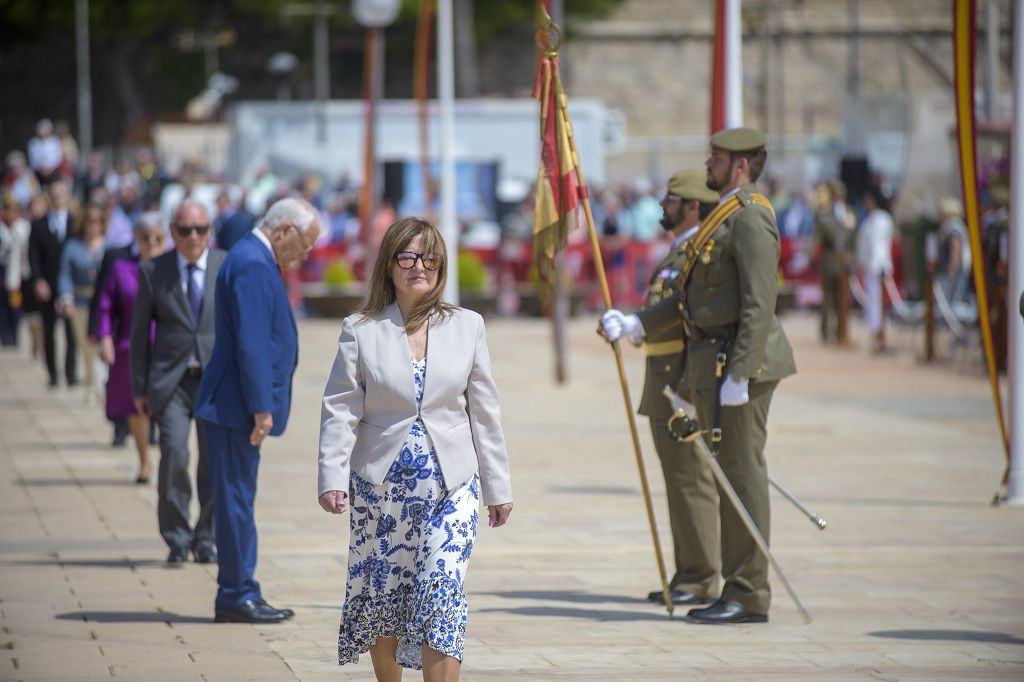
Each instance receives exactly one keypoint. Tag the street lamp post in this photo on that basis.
(374, 15)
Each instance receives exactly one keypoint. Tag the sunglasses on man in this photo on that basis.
(187, 230)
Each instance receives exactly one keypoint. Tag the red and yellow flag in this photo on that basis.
(557, 193)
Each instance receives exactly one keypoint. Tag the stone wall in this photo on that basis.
(651, 61)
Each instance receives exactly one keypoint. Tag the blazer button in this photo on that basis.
(668, 367)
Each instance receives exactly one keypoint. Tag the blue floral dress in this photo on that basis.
(408, 551)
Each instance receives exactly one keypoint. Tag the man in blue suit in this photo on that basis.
(245, 393)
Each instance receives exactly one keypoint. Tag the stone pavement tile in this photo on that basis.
(54, 660)
(912, 551)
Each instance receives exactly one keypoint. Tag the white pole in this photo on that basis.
(1015, 346)
(449, 225)
(733, 65)
(321, 70)
(84, 82)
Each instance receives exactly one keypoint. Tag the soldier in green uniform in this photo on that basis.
(736, 353)
(833, 233)
(689, 484)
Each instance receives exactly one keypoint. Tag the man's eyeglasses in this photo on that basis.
(669, 197)
(407, 260)
(187, 230)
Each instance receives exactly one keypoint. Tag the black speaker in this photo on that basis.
(855, 174)
(394, 181)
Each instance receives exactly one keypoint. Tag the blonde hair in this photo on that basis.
(83, 216)
(381, 291)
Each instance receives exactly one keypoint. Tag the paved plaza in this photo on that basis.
(916, 578)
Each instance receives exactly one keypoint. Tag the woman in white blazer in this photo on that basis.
(410, 441)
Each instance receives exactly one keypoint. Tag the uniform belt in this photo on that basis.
(714, 334)
(673, 347)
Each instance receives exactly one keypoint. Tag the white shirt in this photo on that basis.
(261, 235)
(198, 275)
(58, 221)
(45, 153)
(874, 243)
(685, 235)
(731, 192)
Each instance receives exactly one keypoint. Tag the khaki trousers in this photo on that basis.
(693, 514)
(80, 325)
(741, 456)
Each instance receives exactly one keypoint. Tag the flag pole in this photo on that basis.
(606, 295)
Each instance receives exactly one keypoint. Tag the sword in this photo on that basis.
(681, 409)
(815, 519)
(684, 428)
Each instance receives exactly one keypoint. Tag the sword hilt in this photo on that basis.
(681, 424)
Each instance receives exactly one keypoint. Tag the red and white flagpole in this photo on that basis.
(727, 67)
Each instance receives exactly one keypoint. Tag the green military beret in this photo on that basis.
(692, 184)
(739, 140)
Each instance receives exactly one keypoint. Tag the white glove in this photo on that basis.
(734, 393)
(615, 325)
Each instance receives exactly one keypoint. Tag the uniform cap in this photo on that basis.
(692, 184)
(739, 140)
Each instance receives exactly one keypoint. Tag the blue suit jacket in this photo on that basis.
(256, 347)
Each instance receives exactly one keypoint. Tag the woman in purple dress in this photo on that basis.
(113, 327)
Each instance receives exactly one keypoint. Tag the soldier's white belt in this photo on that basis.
(674, 347)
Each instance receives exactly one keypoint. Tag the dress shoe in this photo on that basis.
(287, 612)
(679, 597)
(251, 611)
(725, 612)
(178, 555)
(205, 554)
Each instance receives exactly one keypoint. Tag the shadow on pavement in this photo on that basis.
(950, 635)
(588, 614)
(61, 482)
(131, 617)
(95, 563)
(592, 490)
(898, 502)
(569, 596)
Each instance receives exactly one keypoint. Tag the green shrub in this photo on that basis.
(338, 274)
(472, 272)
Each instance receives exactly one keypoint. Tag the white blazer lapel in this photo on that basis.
(396, 356)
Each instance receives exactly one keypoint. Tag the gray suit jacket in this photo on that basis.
(158, 367)
(370, 404)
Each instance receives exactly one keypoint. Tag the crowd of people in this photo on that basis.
(191, 318)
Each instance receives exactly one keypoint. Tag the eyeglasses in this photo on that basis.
(187, 230)
(154, 238)
(407, 260)
(671, 197)
(305, 245)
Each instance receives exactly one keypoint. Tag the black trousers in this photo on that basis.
(49, 313)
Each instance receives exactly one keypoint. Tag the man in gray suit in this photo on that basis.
(172, 339)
